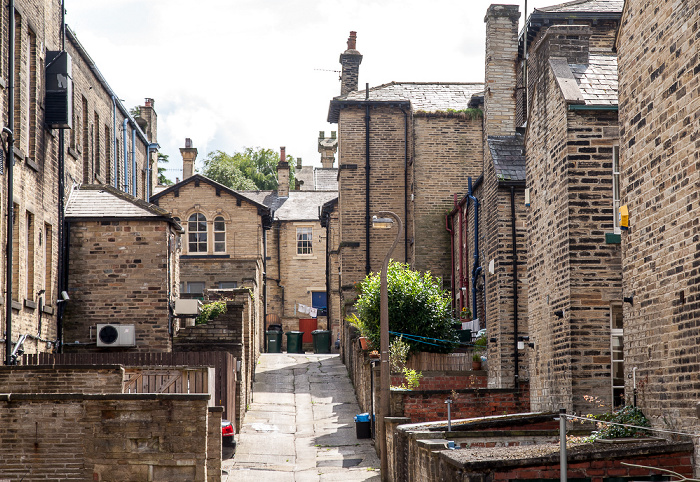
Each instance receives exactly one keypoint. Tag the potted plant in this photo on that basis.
(479, 348)
(362, 328)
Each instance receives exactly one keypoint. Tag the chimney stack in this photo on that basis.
(283, 174)
(148, 113)
(327, 147)
(350, 61)
(571, 42)
(501, 63)
(189, 155)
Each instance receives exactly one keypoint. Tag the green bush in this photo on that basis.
(627, 415)
(210, 311)
(417, 307)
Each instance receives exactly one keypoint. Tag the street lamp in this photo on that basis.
(385, 222)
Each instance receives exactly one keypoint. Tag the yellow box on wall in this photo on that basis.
(624, 217)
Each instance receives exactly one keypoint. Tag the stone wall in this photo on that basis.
(104, 437)
(572, 270)
(659, 105)
(231, 332)
(448, 150)
(62, 379)
(387, 189)
(119, 274)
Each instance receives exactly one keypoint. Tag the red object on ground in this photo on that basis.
(307, 325)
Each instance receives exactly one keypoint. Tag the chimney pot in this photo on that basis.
(188, 142)
(321, 134)
(332, 134)
(149, 102)
(352, 40)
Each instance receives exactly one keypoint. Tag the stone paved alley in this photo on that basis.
(300, 425)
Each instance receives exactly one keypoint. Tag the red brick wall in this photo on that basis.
(472, 403)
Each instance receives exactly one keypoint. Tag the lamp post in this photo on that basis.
(386, 221)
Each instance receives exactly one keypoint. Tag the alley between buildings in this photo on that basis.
(300, 426)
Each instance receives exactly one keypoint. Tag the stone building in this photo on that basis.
(574, 278)
(404, 147)
(657, 49)
(296, 245)
(123, 269)
(268, 241)
(105, 146)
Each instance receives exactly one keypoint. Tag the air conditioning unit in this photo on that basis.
(115, 335)
(187, 307)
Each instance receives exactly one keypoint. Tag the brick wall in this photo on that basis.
(104, 437)
(570, 266)
(448, 149)
(231, 332)
(659, 102)
(118, 274)
(387, 188)
(496, 220)
(214, 450)
(63, 379)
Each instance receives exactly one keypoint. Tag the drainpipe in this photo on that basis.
(405, 185)
(114, 142)
(328, 274)
(264, 288)
(452, 252)
(10, 180)
(151, 147)
(516, 376)
(126, 155)
(476, 268)
(367, 162)
(133, 159)
(62, 265)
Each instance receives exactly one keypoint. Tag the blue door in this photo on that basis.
(319, 301)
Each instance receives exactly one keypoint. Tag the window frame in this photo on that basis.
(219, 244)
(305, 238)
(201, 236)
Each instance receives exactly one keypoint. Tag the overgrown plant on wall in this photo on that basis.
(398, 356)
(210, 311)
(419, 309)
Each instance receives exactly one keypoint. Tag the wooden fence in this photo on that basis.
(424, 361)
(162, 371)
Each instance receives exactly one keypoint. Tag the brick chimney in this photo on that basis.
(283, 174)
(501, 74)
(327, 147)
(566, 41)
(148, 113)
(189, 155)
(350, 61)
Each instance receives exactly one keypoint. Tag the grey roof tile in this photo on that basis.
(588, 6)
(597, 80)
(508, 154)
(298, 206)
(422, 96)
(94, 201)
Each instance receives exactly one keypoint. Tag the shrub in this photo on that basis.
(627, 415)
(418, 307)
(210, 311)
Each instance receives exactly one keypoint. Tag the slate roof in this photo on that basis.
(597, 80)
(508, 154)
(298, 206)
(587, 6)
(421, 96)
(569, 11)
(92, 201)
(326, 178)
(216, 185)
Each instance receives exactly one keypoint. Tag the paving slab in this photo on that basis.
(300, 425)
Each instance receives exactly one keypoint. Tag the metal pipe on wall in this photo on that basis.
(516, 375)
(368, 266)
(9, 131)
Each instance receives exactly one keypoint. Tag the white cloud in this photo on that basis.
(237, 73)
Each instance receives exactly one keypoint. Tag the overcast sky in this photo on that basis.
(231, 74)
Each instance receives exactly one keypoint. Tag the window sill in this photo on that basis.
(305, 256)
(30, 304)
(73, 153)
(16, 305)
(48, 309)
(30, 162)
(205, 256)
(613, 238)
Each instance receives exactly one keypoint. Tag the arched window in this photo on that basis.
(197, 233)
(219, 235)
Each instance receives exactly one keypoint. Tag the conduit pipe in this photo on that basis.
(516, 375)
(9, 132)
(125, 125)
(476, 268)
(114, 142)
(133, 161)
(368, 266)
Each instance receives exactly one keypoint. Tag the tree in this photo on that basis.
(252, 169)
(418, 308)
(163, 159)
